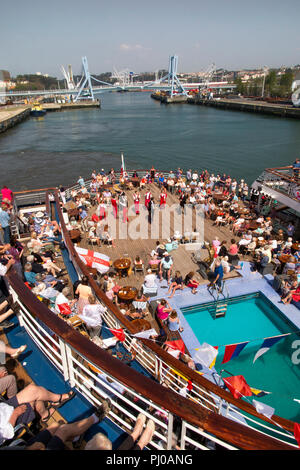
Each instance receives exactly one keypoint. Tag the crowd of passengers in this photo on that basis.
(224, 200)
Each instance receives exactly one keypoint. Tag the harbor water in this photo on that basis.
(60, 147)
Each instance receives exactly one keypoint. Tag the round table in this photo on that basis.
(122, 265)
(140, 324)
(135, 180)
(75, 234)
(253, 225)
(73, 213)
(127, 294)
(284, 258)
(219, 197)
(91, 270)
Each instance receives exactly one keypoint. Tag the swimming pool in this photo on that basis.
(253, 318)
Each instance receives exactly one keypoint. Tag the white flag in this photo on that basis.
(263, 409)
(206, 354)
(146, 334)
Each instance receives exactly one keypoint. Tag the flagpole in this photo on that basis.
(122, 160)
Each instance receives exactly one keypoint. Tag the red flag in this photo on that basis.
(65, 309)
(297, 432)
(119, 333)
(176, 344)
(189, 386)
(238, 386)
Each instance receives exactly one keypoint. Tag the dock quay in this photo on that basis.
(10, 116)
(67, 106)
(169, 99)
(251, 106)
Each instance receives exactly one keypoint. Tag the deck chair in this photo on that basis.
(92, 241)
(20, 430)
(138, 268)
(151, 291)
(290, 272)
(77, 323)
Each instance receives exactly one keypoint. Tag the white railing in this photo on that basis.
(85, 377)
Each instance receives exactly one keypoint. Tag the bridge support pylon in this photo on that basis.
(85, 85)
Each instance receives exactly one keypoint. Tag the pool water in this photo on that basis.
(253, 318)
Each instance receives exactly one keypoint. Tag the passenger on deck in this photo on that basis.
(62, 304)
(83, 291)
(29, 275)
(22, 408)
(100, 442)
(92, 316)
(5, 222)
(177, 283)
(83, 216)
(12, 308)
(173, 322)
(133, 314)
(163, 310)
(140, 302)
(227, 267)
(165, 266)
(159, 249)
(36, 243)
(106, 236)
(189, 281)
(150, 279)
(57, 434)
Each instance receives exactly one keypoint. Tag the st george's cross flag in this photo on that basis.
(233, 350)
(267, 344)
(93, 259)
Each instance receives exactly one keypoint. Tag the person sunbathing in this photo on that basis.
(189, 281)
(293, 294)
(177, 283)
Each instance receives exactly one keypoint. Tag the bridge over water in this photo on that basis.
(85, 89)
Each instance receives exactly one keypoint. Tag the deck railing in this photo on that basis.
(82, 363)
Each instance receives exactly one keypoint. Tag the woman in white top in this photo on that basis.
(150, 278)
(92, 316)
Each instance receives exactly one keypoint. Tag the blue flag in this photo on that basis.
(267, 344)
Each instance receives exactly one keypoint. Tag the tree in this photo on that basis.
(240, 86)
(285, 83)
(271, 83)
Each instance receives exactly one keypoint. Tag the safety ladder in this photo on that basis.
(221, 309)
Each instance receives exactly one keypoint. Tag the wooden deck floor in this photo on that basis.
(182, 256)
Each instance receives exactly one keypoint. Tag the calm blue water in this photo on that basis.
(61, 146)
(253, 320)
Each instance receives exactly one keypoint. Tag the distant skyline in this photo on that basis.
(40, 36)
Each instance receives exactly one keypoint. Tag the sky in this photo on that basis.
(40, 36)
